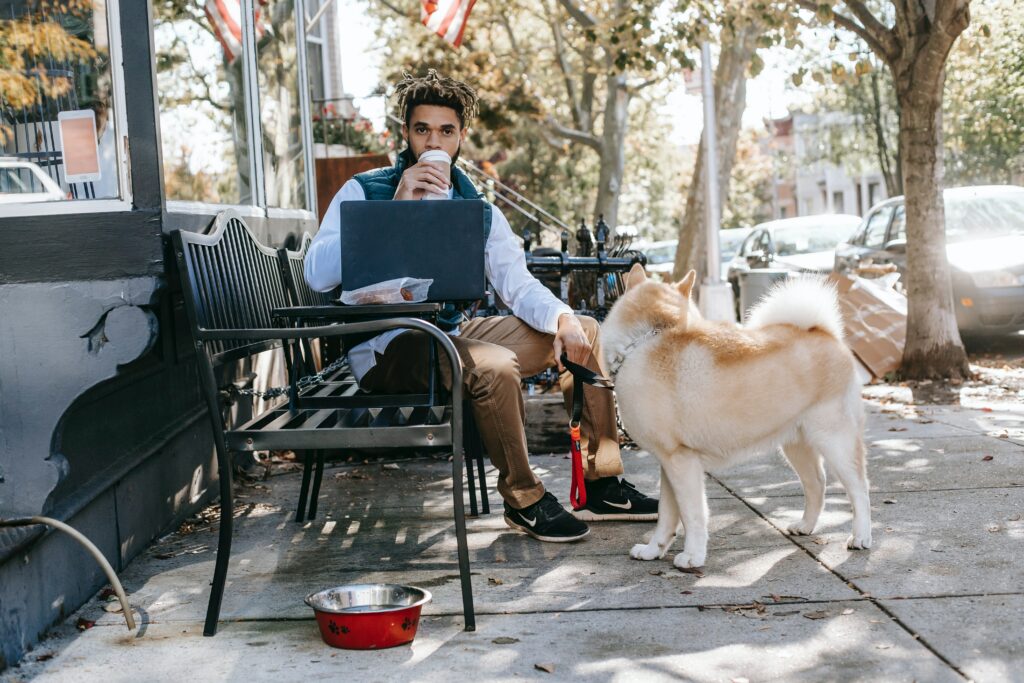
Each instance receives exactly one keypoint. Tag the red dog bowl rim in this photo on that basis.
(424, 599)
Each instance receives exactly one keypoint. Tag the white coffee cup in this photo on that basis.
(438, 157)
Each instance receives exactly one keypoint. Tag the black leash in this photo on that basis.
(580, 376)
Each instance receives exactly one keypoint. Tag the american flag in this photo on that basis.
(447, 18)
(226, 21)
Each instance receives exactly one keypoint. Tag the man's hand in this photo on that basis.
(571, 339)
(421, 178)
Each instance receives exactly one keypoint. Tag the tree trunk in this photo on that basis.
(613, 149)
(933, 349)
(730, 101)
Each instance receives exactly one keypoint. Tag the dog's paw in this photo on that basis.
(646, 551)
(800, 529)
(859, 541)
(689, 560)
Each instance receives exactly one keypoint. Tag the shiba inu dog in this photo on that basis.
(701, 395)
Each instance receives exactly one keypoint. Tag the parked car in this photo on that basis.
(23, 181)
(802, 244)
(984, 245)
(661, 255)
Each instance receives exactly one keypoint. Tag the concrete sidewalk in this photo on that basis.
(940, 597)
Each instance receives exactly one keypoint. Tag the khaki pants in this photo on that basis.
(496, 353)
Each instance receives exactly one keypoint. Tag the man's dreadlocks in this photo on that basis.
(437, 90)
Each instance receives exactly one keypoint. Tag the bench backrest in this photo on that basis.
(229, 281)
(292, 265)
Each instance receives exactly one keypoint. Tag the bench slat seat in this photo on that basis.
(309, 429)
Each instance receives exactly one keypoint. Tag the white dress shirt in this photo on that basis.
(504, 264)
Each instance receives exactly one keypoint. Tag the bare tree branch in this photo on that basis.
(563, 66)
(396, 10)
(850, 25)
(578, 13)
(871, 23)
(573, 135)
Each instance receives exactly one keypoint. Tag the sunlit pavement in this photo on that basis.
(939, 597)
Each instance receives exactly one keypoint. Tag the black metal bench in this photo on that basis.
(339, 389)
(232, 285)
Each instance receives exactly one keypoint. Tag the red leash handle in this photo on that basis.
(577, 490)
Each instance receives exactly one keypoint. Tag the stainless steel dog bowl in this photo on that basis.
(368, 616)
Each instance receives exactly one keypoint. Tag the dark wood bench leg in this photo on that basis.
(317, 479)
(460, 529)
(470, 482)
(307, 470)
(227, 508)
(475, 455)
(485, 504)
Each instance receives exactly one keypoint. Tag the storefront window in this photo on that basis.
(57, 124)
(280, 110)
(200, 82)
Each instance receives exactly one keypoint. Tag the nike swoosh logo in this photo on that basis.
(625, 506)
(531, 522)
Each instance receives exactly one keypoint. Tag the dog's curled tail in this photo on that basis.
(805, 301)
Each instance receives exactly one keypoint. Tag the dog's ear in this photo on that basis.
(636, 275)
(685, 286)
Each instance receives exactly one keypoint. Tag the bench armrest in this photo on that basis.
(364, 312)
(342, 329)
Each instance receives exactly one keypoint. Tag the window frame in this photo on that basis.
(258, 207)
(885, 229)
(123, 202)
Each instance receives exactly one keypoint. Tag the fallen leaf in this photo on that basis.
(786, 598)
(686, 592)
(113, 606)
(389, 466)
(818, 540)
(820, 614)
(882, 647)
(546, 668)
(1004, 435)
(925, 422)
(1014, 518)
(504, 640)
(987, 458)
(494, 581)
(44, 657)
(696, 571)
(163, 556)
(786, 614)
(82, 624)
(889, 501)
(897, 429)
(986, 410)
(994, 528)
(846, 612)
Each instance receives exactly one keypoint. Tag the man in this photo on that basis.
(496, 351)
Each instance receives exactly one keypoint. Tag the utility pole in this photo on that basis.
(716, 302)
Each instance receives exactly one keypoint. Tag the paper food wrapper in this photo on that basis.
(875, 318)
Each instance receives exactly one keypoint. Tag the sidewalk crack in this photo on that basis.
(865, 595)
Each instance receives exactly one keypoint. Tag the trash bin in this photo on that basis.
(754, 284)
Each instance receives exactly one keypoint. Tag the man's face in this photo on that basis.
(434, 127)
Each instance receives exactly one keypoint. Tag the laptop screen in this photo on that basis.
(440, 240)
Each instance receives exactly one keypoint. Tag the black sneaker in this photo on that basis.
(611, 498)
(546, 520)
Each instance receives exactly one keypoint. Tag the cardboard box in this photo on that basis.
(875, 319)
